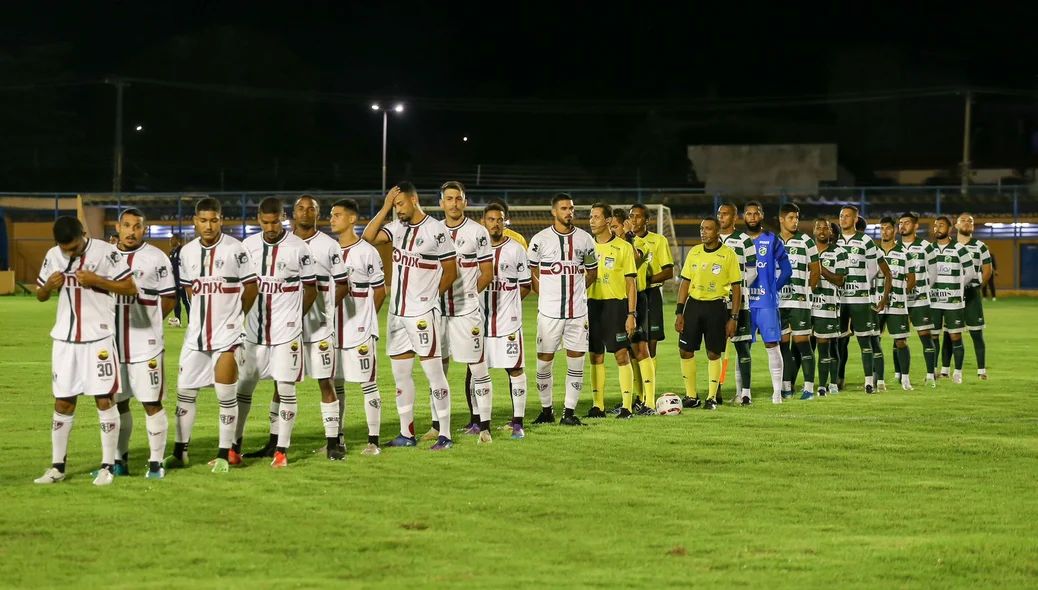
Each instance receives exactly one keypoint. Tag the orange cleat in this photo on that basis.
(280, 461)
(234, 458)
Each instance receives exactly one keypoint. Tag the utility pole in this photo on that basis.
(967, 136)
(117, 156)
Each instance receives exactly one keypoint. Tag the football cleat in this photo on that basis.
(104, 477)
(51, 475)
(517, 432)
(233, 457)
(280, 460)
(485, 438)
(442, 444)
(403, 441)
(333, 455)
(220, 466)
(433, 434)
(806, 395)
(597, 412)
(172, 462)
(624, 414)
(570, 421)
(371, 450)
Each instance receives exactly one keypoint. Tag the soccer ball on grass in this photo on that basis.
(668, 404)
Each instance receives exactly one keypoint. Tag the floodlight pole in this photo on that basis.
(117, 156)
(966, 140)
(385, 131)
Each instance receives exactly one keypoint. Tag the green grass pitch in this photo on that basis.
(924, 488)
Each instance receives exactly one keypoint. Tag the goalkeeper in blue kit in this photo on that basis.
(773, 272)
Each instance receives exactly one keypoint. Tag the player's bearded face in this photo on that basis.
(886, 231)
(453, 203)
(131, 231)
(753, 219)
(495, 224)
(564, 213)
(637, 221)
(965, 225)
(940, 230)
(822, 233)
(404, 208)
(271, 225)
(907, 227)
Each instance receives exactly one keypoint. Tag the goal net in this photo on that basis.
(530, 219)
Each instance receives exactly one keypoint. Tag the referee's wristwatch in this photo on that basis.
(734, 317)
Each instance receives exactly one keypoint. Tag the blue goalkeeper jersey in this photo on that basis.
(773, 271)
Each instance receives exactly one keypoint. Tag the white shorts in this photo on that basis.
(198, 367)
(319, 359)
(554, 334)
(145, 380)
(506, 352)
(280, 362)
(84, 368)
(463, 337)
(418, 334)
(358, 364)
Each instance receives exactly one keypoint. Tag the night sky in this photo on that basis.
(543, 92)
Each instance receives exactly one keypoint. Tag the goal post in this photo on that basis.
(530, 219)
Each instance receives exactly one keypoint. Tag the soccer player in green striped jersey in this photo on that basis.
(951, 272)
(974, 302)
(863, 264)
(741, 243)
(825, 303)
(795, 302)
(895, 316)
(921, 260)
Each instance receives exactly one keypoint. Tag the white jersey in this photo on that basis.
(356, 318)
(417, 253)
(216, 275)
(562, 260)
(472, 244)
(319, 322)
(84, 314)
(501, 301)
(282, 268)
(138, 318)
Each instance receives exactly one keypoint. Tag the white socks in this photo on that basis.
(272, 415)
(330, 418)
(185, 419)
(157, 425)
(441, 393)
(340, 395)
(574, 381)
(545, 382)
(482, 390)
(405, 393)
(125, 430)
(245, 389)
(287, 413)
(226, 394)
(775, 365)
(109, 434)
(372, 407)
(517, 385)
(59, 433)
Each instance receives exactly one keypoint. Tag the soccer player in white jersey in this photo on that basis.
(742, 244)
(974, 313)
(563, 263)
(424, 267)
(216, 270)
(503, 303)
(795, 302)
(139, 338)
(462, 313)
(85, 273)
(356, 319)
(274, 326)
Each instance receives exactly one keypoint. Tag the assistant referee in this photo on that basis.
(710, 274)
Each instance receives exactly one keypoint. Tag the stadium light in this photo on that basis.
(140, 128)
(399, 108)
(466, 138)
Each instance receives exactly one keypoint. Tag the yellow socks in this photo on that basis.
(627, 384)
(647, 369)
(688, 372)
(598, 385)
(715, 377)
(639, 392)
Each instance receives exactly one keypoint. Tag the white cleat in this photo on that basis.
(484, 437)
(932, 383)
(906, 384)
(104, 477)
(776, 398)
(957, 378)
(52, 475)
(881, 386)
(371, 450)
(433, 434)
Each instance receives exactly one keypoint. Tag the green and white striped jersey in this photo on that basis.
(921, 261)
(981, 256)
(802, 253)
(954, 268)
(862, 253)
(742, 244)
(825, 302)
(897, 259)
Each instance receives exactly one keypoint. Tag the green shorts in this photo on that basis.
(795, 321)
(826, 328)
(974, 309)
(922, 318)
(863, 319)
(742, 330)
(896, 324)
(950, 320)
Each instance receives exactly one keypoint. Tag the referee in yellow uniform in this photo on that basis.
(710, 275)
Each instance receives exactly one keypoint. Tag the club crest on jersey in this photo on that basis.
(323, 346)
(762, 251)
(294, 347)
(460, 242)
(475, 331)
(609, 262)
(103, 355)
(219, 263)
(243, 259)
(152, 364)
(281, 265)
(137, 274)
(362, 349)
(422, 325)
(716, 269)
(791, 251)
(419, 242)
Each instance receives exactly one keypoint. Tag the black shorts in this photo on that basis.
(641, 326)
(705, 320)
(656, 320)
(607, 321)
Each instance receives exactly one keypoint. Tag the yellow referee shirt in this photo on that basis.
(515, 236)
(658, 255)
(644, 272)
(615, 264)
(711, 274)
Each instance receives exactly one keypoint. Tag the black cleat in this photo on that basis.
(636, 408)
(570, 421)
(335, 455)
(624, 414)
(616, 410)
(869, 389)
(267, 451)
(710, 405)
(547, 416)
(341, 447)
(746, 401)
(595, 412)
(691, 402)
